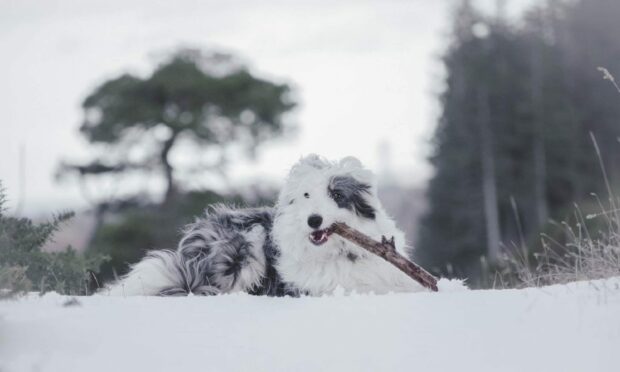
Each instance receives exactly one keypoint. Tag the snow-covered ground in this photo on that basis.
(572, 327)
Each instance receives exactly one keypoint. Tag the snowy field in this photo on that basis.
(572, 327)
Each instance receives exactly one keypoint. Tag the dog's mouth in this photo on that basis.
(319, 237)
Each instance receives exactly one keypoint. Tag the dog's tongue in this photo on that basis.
(318, 235)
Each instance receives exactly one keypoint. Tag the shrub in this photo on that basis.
(24, 266)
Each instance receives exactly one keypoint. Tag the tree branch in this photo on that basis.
(386, 250)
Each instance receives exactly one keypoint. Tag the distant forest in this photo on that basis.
(514, 150)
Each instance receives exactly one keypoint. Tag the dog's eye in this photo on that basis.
(337, 196)
(306, 195)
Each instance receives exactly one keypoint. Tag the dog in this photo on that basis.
(286, 250)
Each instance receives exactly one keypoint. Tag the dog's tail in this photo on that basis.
(159, 273)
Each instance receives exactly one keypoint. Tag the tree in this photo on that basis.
(512, 148)
(209, 99)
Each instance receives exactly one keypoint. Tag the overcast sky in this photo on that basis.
(366, 73)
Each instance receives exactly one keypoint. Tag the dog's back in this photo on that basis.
(227, 250)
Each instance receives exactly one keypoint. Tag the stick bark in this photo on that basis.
(386, 250)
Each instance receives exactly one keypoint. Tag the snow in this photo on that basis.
(573, 327)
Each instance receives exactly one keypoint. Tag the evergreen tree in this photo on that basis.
(512, 148)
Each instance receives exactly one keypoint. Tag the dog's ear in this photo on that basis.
(350, 162)
(314, 161)
(308, 163)
(354, 167)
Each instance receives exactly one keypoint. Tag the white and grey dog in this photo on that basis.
(285, 250)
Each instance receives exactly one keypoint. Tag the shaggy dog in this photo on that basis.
(285, 250)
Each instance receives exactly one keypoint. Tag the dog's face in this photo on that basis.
(318, 193)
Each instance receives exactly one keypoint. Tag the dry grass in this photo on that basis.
(588, 249)
(583, 257)
(13, 281)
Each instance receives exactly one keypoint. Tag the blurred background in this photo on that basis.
(486, 121)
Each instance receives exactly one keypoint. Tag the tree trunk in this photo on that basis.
(489, 188)
(539, 156)
(171, 189)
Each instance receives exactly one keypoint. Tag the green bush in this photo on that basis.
(24, 266)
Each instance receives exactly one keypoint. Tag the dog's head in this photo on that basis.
(318, 193)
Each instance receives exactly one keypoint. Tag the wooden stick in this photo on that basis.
(386, 250)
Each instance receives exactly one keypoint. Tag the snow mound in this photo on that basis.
(572, 327)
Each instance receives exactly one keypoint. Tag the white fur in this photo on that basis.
(321, 269)
(149, 276)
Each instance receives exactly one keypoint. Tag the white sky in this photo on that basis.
(366, 73)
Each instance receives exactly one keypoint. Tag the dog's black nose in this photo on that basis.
(315, 221)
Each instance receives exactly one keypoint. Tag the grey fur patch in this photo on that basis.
(352, 257)
(349, 193)
(214, 249)
(214, 252)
